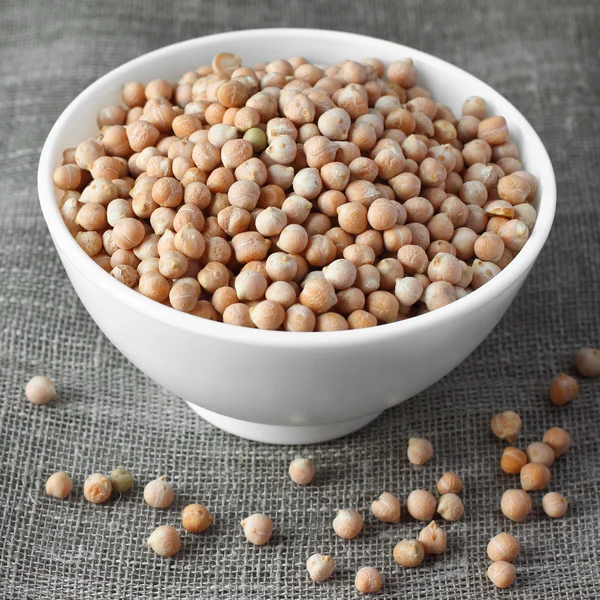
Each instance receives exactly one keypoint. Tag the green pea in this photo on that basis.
(257, 137)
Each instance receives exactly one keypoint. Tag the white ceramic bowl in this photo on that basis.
(285, 387)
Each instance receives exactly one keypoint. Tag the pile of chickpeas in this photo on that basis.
(298, 197)
(532, 466)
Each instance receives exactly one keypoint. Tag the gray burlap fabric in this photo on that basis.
(544, 57)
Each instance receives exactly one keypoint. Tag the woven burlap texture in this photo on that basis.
(544, 57)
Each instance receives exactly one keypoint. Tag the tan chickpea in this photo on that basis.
(503, 546)
(299, 318)
(409, 553)
(506, 425)
(59, 485)
(386, 508)
(368, 580)
(483, 271)
(513, 189)
(419, 451)
(205, 310)
(539, 452)
(190, 242)
(125, 274)
(513, 460)
(450, 483)
(184, 294)
(501, 574)
(368, 280)
(555, 505)
(250, 285)
(320, 251)
(361, 319)
(173, 264)
(97, 488)
(433, 538)
(331, 321)
(348, 524)
(535, 476)
(320, 567)
(318, 295)
(450, 507)
(155, 286)
(516, 505)
(558, 439)
(493, 130)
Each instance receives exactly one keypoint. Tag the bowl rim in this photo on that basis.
(71, 251)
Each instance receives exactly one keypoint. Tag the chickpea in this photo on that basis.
(386, 508)
(409, 553)
(320, 567)
(516, 505)
(97, 488)
(348, 524)
(421, 505)
(513, 460)
(450, 483)
(558, 439)
(59, 485)
(368, 580)
(539, 452)
(419, 451)
(493, 130)
(184, 294)
(503, 547)
(555, 505)
(299, 318)
(563, 389)
(318, 295)
(535, 476)
(501, 574)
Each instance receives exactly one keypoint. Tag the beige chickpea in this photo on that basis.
(368, 580)
(352, 217)
(444, 267)
(59, 485)
(386, 508)
(558, 439)
(173, 264)
(419, 451)
(249, 246)
(514, 234)
(408, 290)
(513, 189)
(503, 547)
(516, 505)
(535, 476)
(340, 273)
(205, 310)
(334, 124)
(296, 209)
(348, 524)
(281, 266)
(331, 321)
(282, 293)
(320, 251)
(433, 539)
(223, 297)
(483, 271)
(125, 274)
(233, 220)
(450, 507)
(555, 505)
(299, 318)
(258, 529)
(40, 390)
(213, 276)
(361, 319)
(409, 553)
(184, 294)
(501, 574)
(271, 221)
(383, 305)
(238, 314)
(439, 294)
(539, 452)
(320, 567)
(190, 242)
(267, 315)
(97, 488)
(359, 254)
(450, 483)
(390, 270)
(293, 239)
(334, 176)
(368, 280)
(155, 286)
(250, 285)
(421, 505)
(506, 425)
(493, 130)
(318, 295)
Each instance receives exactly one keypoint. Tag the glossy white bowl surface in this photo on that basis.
(285, 387)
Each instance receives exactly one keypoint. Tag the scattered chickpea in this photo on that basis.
(501, 574)
(450, 507)
(587, 361)
(503, 547)
(97, 488)
(165, 541)
(302, 471)
(40, 390)
(450, 483)
(121, 480)
(368, 580)
(535, 476)
(59, 485)
(539, 452)
(159, 493)
(506, 425)
(558, 439)
(257, 529)
(419, 451)
(409, 553)
(516, 505)
(320, 567)
(563, 389)
(386, 508)
(555, 505)
(513, 460)
(421, 505)
(348, 524)
(195, 518)
(433, 539)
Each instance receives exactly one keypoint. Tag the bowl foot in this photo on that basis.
(283, 434)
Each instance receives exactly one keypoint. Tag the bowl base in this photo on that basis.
(282, 434)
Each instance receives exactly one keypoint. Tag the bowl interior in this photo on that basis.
(448, 84)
